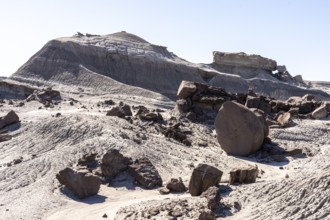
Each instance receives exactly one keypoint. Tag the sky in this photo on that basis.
(294, 33)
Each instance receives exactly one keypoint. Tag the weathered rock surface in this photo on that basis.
(113, 162)
(243, 175)
(81, 183)
(8, 119)
(145, 173)
(203, 177)
(239, 131)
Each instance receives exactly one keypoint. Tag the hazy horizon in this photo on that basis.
(295, 34)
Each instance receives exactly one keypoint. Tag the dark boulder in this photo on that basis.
(145, 173)
(113, 162)
(203, 177)
(81, 183)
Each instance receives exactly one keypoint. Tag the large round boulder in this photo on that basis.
(239, 131)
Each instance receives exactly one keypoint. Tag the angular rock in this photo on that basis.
(213, 197)
(186, 89)
(145, 173)
(81, 183)
(113, 162)
(243, 175)
(10, 118)
(203, 177)
(320, 112)
(176, 185)
(239, 130)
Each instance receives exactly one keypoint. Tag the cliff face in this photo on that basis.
(109, 61)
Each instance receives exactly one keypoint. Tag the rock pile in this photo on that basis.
(85, 179)
(204, 101)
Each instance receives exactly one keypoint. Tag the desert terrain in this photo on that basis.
(87, 71)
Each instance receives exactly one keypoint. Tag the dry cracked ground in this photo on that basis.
(48, 140)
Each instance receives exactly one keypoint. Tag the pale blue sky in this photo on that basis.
(294, 33)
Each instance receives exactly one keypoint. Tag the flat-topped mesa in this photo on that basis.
(244, 60)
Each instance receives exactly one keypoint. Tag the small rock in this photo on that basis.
(176, 185)
(104, 216)
(243, 175)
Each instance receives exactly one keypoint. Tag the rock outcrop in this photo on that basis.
(243, 60)
(203, 177)
(176, 185)
(239, 131)
(82, 183)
